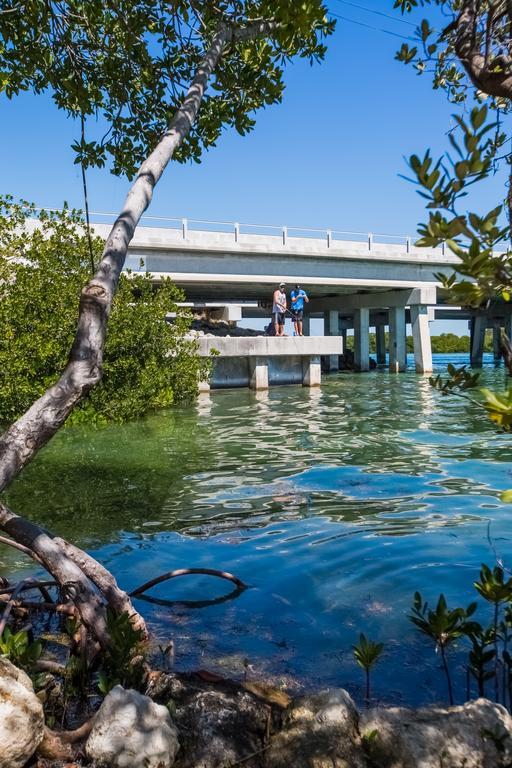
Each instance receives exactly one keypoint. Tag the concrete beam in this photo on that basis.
(377, 299)
(230, 313)
(397, 343)
(421, 339)
(269, 346)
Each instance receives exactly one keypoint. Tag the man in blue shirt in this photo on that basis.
(298, 297)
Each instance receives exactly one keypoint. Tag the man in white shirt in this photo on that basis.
(279, 309)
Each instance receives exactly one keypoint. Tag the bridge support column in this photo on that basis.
(332, 328)
(421, 338)
(477, 341)
(361, 339)
(258, 373)
(311, 372)
(397, 343)
(496, 342)
(380, 339)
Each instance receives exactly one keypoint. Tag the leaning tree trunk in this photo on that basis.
(82, 577)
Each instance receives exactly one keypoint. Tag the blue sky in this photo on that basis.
(329, 156)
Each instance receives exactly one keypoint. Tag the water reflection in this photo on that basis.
(334, 504)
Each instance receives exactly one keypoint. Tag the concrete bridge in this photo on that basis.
(354, 280)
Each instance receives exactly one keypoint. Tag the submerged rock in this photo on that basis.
(475, 735)
(21, 717)
(320, 731)
(131, 731)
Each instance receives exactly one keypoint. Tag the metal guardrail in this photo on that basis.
(284, 233)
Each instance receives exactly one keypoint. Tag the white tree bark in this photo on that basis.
(20, 443)
(73, 569)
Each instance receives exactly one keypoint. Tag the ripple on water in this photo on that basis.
(334, 506)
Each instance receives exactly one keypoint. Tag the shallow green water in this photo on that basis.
(334, 505)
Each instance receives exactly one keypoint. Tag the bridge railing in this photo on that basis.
(286, 234)
(283, 232)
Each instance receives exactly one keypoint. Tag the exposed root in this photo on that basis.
(116, 598)
(61, 745)
(187, 572)
(20, 548)
(47, 665)
(87, 586)
(27, 584)
(10, 603)
(33, 605)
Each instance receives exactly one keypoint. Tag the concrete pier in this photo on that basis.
(258, 372)
(479, 324)
(496, 342)
(397, 340)
(421, 339)
(380, 338)
(262, 361)
(311, 371)
(361, 339)
(332, 328)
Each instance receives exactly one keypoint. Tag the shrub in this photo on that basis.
(148, 362)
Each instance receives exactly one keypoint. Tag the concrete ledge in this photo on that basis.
(270, 346)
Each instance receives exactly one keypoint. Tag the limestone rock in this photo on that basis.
(221, 728)
(21, 717)
(475, 735)
(131, 731)
(320, 731)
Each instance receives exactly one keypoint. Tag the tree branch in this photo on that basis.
(22, 440)
(495, 82)
(20, 443)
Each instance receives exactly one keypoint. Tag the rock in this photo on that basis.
(320, 731)
(221, 728)
(162, 686)
(475, 735)
(21, 717)
(131, 731)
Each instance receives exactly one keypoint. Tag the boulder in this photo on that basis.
(221, 729)
(475, 735)
(21, 717)
(319, 731)
(131, 731)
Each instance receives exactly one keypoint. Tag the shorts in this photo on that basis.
(299, 314)
(278, 318)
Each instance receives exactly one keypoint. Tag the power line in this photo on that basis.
(377, 13)
(370, 26)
